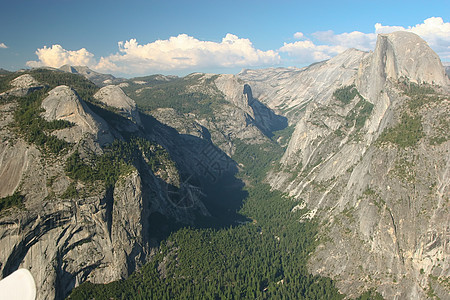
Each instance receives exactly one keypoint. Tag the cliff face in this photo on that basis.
(62, 103)
(69, 229)
(368, 158)
(373, 168)
(231, 112)
(289, 90)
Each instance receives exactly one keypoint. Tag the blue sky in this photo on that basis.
(129, 38)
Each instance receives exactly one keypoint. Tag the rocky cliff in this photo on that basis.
(371, 163)
(219, 108)
(95, 208)
(90, 183)
(289, 90)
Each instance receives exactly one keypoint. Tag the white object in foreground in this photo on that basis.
(18, 285)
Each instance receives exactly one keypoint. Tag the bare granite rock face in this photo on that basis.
(399, 55)
(378, 183)
(21, 86)
(289, 90)
(68, 241)
(94, 233)
(63, 103)
(239, 116)
(113, 96)
(98, 78)
(24, 81)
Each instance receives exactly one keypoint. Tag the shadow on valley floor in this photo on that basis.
(207, 175)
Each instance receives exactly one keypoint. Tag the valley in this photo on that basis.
(326, 182)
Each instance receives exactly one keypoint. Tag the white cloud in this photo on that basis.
(299, 35)
(433, 30)
(355, 39)
(56, 56)
(3, 46)
(186, 52)
(305, 52)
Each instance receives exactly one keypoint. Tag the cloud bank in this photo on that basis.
(184, 52)
(56, 56)
(326, 44)
(177, 53)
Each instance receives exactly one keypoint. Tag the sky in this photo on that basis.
(135, 37)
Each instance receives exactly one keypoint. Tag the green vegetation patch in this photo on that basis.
(419, 94)
(5, 81)
(70, 192)
(52, 78)
(442, 131)
(370, 295)
(358, 116)
(346, 94)
(10, 201)
(119, 159)
(407, 133)
(33, 127)
(405, 170)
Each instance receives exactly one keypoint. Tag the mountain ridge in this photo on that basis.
(147, 154)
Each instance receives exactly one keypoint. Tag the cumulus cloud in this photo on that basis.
(3, 46)
(305, 52)
(56, 56)
(355, 39)
(325, 44)
(186, 52)
(299, 35)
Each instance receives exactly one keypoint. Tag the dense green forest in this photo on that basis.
(9, 201)
(262, 258)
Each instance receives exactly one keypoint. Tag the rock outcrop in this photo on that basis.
(21, 86)
(289, 90)
(235, 113)
(113, 96)
(98, 78)
(62, 103)
(383, 201)
(399, 55)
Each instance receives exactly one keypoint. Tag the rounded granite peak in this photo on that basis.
(405, 54)
(24, 81)
(63, 103)
(114, 96)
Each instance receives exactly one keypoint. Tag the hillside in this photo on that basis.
(324, 182)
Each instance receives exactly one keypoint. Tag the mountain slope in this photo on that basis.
(289, 90)
(99, 181)
(87, 193)
(371, 162)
